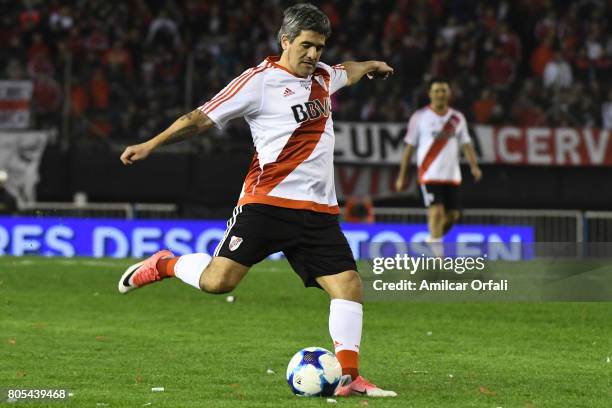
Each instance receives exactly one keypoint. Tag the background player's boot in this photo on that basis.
(361, 386)
(142, 273)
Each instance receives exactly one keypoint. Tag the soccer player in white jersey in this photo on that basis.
(288, 201)
(437, 132)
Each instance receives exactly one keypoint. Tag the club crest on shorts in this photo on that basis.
(234, 243)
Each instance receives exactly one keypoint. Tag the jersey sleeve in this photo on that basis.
(463, 134)
(241, 97)
(338, 78)
(412, 132)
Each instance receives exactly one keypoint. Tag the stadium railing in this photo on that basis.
(100, 210)
(549, 225)
(598, 226)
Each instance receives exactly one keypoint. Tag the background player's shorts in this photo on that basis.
(445, 194)
(312, 242)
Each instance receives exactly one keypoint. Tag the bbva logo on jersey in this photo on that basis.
(311, 110)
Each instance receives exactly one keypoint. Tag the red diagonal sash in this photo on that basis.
(448, 130)
(298, 148)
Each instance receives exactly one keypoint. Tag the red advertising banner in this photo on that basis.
(545, 146)
(383, 144)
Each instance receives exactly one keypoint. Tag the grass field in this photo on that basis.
(63, 325)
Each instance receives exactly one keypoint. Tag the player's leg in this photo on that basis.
(222, 275)
(213, 275)
(452, 207)
(345, 327)
(345, 317)
(344, 285)
(241, 246)
(324, 259)
(434, 202)
(200, 270)
(435, 221)
(450, 219)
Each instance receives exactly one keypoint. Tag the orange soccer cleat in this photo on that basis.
(360, 386)
(142, 273)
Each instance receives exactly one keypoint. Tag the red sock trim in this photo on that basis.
(165, 267)
(349, 361)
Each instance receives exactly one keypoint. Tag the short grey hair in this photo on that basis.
(303, 16)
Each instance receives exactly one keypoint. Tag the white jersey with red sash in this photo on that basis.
(438, 139)
(292, 130)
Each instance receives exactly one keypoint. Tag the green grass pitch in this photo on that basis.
(64, 325)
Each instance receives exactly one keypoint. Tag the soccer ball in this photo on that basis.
(313, 371)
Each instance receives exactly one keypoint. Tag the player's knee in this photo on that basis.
(453, 216)
(353, 281)
(217, 280)
(436, 211)
(348, 287)
(217, 286)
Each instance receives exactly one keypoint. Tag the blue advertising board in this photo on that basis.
(95, 237)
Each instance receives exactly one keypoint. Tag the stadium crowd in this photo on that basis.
(123, 70)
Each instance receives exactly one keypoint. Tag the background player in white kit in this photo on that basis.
(288, 200)
(437, 132)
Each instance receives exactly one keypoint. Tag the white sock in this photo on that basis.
(189, 268)
(345, 322)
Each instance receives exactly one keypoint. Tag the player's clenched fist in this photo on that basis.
(381, 70)
(135, 152)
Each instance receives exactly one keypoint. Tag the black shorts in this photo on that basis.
(312, 242)
(445, 194)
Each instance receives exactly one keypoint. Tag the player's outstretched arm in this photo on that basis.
(373, 69)
(400, 183)
(470, 155)
(184, 127)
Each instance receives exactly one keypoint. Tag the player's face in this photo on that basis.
(304, 52)
(439, 94)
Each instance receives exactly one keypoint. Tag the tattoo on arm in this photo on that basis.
(187, 116)
(182, 134)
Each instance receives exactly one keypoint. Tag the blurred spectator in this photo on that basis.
(587, 115)
(61, 19)
(100, 126)
(14, 70)
(499, 70)
(546, 27)
(541, 56)
(594, 47)
(79, 98)
(164, 25)
(99, 90)
(563, 113)
(486, 106)
(557, 72)
(47, 99)
(441, 61)
(395, 26)
(118, 58)
(128, 65)
(450, 31)
(38, 49)
(525, 112)
(509, 42)
(368, 110)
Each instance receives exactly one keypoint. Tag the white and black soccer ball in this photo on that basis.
(313, 371)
